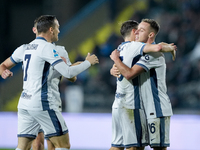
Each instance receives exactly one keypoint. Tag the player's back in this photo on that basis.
(153, 86)
(37, 58)
(130, 52)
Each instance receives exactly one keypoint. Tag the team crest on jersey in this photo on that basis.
(55, 53)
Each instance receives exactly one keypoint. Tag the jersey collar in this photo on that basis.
(41, 38)
(125, 42)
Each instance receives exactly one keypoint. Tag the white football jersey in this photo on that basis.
(127, 93)
(153, 86)
(38, 86)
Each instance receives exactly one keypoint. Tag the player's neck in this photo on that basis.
(46, 36)
(127, 39)
(150, 41)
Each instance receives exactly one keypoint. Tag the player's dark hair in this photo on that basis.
(153, 24)
(127, 27)
(44, 23)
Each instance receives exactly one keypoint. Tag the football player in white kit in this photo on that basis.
(38, 143)
(37, 107)
(153, 90)
(128, 119)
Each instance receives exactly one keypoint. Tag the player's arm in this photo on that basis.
(161, 47)
(5, 68)
(128, 73)
(73, 79)
(71, 71)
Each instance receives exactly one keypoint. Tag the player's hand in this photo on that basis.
(115, 55)
(114, 71)
(173, 52)
(173, 55)
(169, 48)
(92, 59)
(6, 73)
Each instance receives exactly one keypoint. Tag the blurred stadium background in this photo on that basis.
(93, 26)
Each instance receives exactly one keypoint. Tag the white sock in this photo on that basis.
(17, 149)
(61, 149)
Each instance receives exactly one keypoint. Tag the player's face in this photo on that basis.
(143, 31)
(56, 31)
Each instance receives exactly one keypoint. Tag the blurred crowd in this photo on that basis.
(180, 24)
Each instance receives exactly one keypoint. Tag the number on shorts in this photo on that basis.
(152, 128)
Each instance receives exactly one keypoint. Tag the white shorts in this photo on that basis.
(159, 129)
(50, 121)
(129, 128)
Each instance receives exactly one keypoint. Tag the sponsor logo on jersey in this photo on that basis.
(55, 53)
(119, 95)
(25, 95)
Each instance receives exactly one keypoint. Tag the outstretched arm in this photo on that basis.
(71, 71)
(161, 47)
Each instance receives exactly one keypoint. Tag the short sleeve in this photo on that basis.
(152, 60)
(18, 54)
(62, 52)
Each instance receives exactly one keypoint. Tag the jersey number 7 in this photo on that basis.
(27, 57)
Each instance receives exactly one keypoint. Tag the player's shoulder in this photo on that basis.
(21, 47)
(48, 45)
(136, 43)
(61, 49)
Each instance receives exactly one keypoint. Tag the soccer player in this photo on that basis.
(38, 143)
(152, 70)
(37, 107)
(128, 119)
